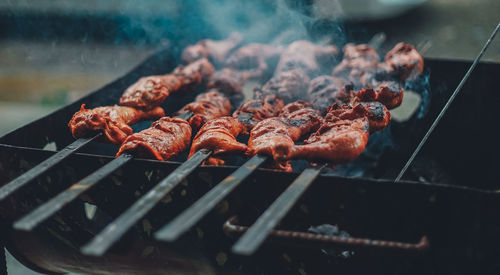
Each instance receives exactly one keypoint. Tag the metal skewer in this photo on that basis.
(259, 231)
(100, 243)
(46, 210)
(448, 103)
(44, 166)
(200, 208)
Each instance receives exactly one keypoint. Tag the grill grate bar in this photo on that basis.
(113, 231)
(44, 166)
(43, 212)
(200, 208)
(264, 225)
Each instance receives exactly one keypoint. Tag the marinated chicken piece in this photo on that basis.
(326, 90)
(377, 114)
(255, 110)
(151, 91)
(403, 62)
(215, 51)
(277, 136)
(166, 138)
(195, 73)
(389, 93)
(341, 138)
(306, 56)
(358, 59)
(207, 106)
(229, 82)
(114, 121)
(256, 59)
(219, 136)
(289, 85)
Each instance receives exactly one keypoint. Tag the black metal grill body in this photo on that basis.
(456, 212)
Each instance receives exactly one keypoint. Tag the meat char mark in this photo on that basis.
(277, 136)
(151, 91)
(219, 136)
(341, 138)
(207, 106)
(326, 90)
(229, 82)
(216, 51)
(288, 85)
(255, 110)
(166, 138)
(114, 121)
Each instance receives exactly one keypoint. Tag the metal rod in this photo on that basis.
(49, 208)
(44, 166)
(377, 40)
(447, 105)
(43, 212)
(260, 230)
(205, 204)
(104, 240)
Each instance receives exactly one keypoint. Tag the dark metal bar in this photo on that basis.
(322, 241)
(44, 166)
(49, 208)
(447, 105)
(260, 230)
(205, 204)
(104, 240)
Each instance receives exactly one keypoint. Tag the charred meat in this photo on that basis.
(114, 121)
(277, 136)
(255, 59)
(255, 110)
(151, 91)
(166, 138)
(219, 136)
(207, 106)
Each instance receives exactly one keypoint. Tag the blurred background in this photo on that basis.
(53, 52)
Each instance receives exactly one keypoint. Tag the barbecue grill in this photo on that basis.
(438, 220)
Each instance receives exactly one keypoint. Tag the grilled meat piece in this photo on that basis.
(219, 136)
(215, 51)
(289, 85)
(207, 106)
(403, 62)
(341, 138)
(255, 110)
(114, 121)
(326, 90)
(150, 91)
(377, 114)
(358, 59)
(166, 138)
(256, 59)
(306, 56)
(277, 136)
(389, 93)
(229, 82)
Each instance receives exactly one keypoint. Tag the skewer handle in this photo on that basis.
(46, 210)
(261, 229)
(113, 231)
(44, 166)
(200, 208)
